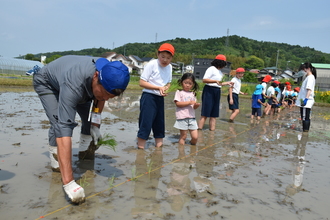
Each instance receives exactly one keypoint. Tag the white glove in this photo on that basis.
(84, 142)
(75, 192)
(96, 134)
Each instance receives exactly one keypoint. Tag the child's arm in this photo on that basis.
(184, 104)
(264, 104)
(162, 89)
(231, 101)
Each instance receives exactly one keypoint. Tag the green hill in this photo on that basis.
(237, 49)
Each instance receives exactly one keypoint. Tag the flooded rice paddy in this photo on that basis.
(242, 170)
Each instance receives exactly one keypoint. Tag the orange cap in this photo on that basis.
(267, 78)
(288, 87)
(287, 83)
(297, 89)
(240, 70)
(221, 57)
(167, 47)
(277, 82)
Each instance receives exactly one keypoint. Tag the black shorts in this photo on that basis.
(235, 105)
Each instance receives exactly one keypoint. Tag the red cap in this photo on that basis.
(288, 87)
(277, 82)
(167, 47)
(221, 57)
(287, 83)
(267, 78)
(297, 89)
(240, 70)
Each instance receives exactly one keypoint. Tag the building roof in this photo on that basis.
(136, 58)
(321, 65)
(18, 64)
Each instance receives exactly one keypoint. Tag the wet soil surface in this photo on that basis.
(243, 170)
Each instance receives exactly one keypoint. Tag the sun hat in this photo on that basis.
(240, 70)
(112, 75)
(267, 78)
(167, 47)
(258, 90)
(221, 57)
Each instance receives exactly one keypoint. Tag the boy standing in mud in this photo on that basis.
(70, 85)
(155, 80)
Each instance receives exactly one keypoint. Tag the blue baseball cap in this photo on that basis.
(112, 75)
(258, 90)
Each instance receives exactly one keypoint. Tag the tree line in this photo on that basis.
(240, 51)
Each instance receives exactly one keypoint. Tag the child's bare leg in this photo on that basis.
(141, 143)
(183, 136)
(159, 142)
(194, 136)
(201, 122)
(234, 114)
(212, 123)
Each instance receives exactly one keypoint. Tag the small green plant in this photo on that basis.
(150, 167)
(111, 181)
(84, 181)
(108, 141)
(133, 170)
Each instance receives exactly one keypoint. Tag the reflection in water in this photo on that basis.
(128, 104)
(146, 186)
(298, 165)
(204, 166)
(179, 186)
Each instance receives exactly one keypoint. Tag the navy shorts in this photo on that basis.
(235, 105)
(152, 116)
(256, 111)
(211, 101)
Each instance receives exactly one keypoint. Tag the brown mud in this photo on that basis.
(243, 170)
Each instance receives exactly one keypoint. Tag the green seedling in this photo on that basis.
(84, 181)
(133, 170)
(108, 141)
(149, 167)
(111, 181)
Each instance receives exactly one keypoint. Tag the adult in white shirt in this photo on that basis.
(305, 98)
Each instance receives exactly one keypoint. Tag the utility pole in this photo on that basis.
(278, 51)
(227, 40)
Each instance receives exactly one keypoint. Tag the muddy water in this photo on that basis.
(243, 170)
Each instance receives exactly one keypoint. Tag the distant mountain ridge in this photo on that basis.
(285, 55)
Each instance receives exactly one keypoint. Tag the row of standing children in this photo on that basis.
(156, 79)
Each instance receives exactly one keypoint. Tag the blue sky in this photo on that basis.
(37, 26)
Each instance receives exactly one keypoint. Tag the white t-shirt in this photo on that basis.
(308, 83)
(187, 111)
(157, 75)
(237, 85)
(213, 73)
(264, 86)
(270, 91)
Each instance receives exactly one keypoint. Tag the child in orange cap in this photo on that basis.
(212, 92)
(234, 91)
(155, 80)
(265, 80)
